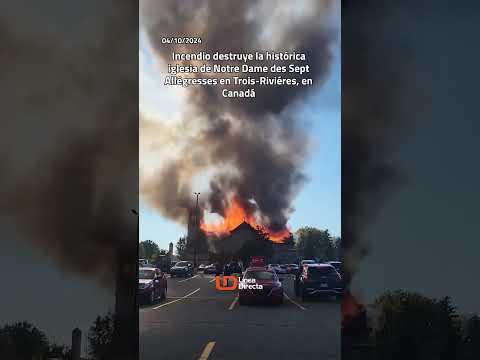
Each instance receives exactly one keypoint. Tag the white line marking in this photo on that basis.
(195, 297)
(171, 302)
(207, 350)
(232, 305)
(190, 278)
(294, 302)
(212, 280)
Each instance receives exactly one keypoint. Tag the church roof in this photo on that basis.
(243, 226)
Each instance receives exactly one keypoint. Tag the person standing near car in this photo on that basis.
(218, 269)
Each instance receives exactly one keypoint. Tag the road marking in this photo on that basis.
(294, 302)
(206, 352)
(190, 278)
(232, 305)
(171, 302)
(195, 297)
(212, 280)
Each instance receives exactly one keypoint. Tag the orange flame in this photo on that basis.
(234, 216)
(351, 308)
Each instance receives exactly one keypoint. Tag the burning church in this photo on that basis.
(239, 236)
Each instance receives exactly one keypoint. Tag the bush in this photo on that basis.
(411, 326)
(22, 341)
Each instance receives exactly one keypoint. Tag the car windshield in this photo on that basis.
(316, 272)
(260, 275)
(182, 263)
(146, 274)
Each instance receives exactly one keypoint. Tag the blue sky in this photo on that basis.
(317, 204)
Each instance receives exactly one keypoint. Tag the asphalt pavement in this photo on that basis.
(196, 321)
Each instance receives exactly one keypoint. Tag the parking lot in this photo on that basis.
(196, 321)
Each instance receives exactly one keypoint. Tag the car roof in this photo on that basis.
(258, 268)
(318, 265)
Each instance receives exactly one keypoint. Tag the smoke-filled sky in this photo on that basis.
(310, 169)
(410, 97)
(68, 159)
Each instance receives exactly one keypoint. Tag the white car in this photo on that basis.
(307, 262)
(274, 267)
(282, 269)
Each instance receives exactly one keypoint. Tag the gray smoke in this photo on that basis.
(376, 57)
(69, 138)
(256, 147)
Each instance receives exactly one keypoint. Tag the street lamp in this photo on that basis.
(195, 241)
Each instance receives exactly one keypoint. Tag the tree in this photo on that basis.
(412, 326)
(59, 352)
(100, 337)
(148, 249)
(315, 243)
(23, 341)
(181, 247)
(472, 338)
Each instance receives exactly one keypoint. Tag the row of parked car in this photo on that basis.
(215, 268)
(284, 268)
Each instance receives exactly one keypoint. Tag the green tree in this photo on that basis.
(412, 326)
(23, 341)
(149, 250)
(59, 352)
(181, 247)
(472, 338)
(100, 337)
(337, 243)
(315, 243)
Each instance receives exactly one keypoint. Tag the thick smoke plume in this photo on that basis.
(69, 138)
(252, 149)
(375, 59)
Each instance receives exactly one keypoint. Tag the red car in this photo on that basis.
(259, 285)
(152, 284)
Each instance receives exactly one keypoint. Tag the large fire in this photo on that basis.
(234, 216)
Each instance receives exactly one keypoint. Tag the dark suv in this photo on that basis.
(232, 268)
(318, 280)
(182, 268)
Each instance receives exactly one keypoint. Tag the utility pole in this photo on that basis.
(197, 224)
